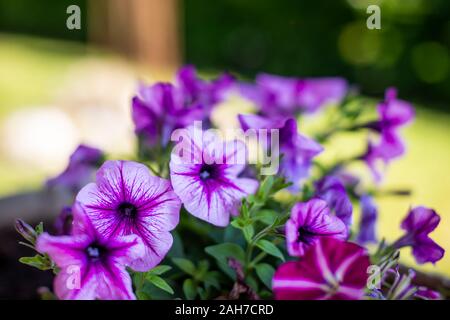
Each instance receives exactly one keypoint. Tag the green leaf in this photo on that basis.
(160, 283)
(251, 199)
(189, 289)
(211, 279)
(237, 223)
(244, 209)
(159, 270)
(249, 232)
(202, 293)
(38, 261)
(185, 265)
(265, 272)
(222, 252)
(266, 186)
(266, 216)
(226, 250)
(177, 247)
(270, 248)
(203, 267)
(142, 295)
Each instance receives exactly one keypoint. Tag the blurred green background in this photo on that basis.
(49, 73)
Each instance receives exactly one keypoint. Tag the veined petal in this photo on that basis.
(64, 250)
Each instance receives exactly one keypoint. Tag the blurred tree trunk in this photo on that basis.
(146, 31)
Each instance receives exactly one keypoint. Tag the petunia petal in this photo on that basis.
(64, 250)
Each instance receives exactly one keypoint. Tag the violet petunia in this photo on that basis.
(159, 109)
(285, 96)
(317, 92)
(425, 293)
(309, 222)
(368, 220)
(393, 115)
(331, 269)
(373, 160)
(298, 150)
(332, 190)
(418, 224)
(83, 163)
(90, 265)
(204, 173)
(205, 93)
(64, 221)
(127, 199)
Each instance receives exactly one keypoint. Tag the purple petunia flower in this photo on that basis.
(394, 114)
(204, 173)
(310, 221)
(418, 224)
(367, 224)
(315, 93)
(427, 294)
(127, 199)
(284, 96)
(83, 163)
(332, 190)
(91, 266)
(64, 221)
(330, 270)
(205, 93)
(297, 150)
(159, 109)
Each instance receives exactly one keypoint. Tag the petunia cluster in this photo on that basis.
(191, 216)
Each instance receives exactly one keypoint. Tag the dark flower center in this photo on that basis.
(305, 235)
(96, 252)
(127, 210)
(208, 171)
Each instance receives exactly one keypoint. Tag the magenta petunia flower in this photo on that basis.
(332, 190)
(127, 199)
(418, 224)
(330, 270)
(309, 222)
(204, 173)
(368, 220)
(83, 163)
(159, 109)
(91, 266)
(284, 96)
(298, 150)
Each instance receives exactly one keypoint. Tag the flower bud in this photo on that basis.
(25, 230)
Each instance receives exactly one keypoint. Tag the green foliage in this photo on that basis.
(189, 289)
(41, 262)
(269, 248)
(265, 273)
(185, 265)
(159, 282)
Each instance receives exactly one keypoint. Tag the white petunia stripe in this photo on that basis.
(340, 272)
(323, 265)
(296, 284)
